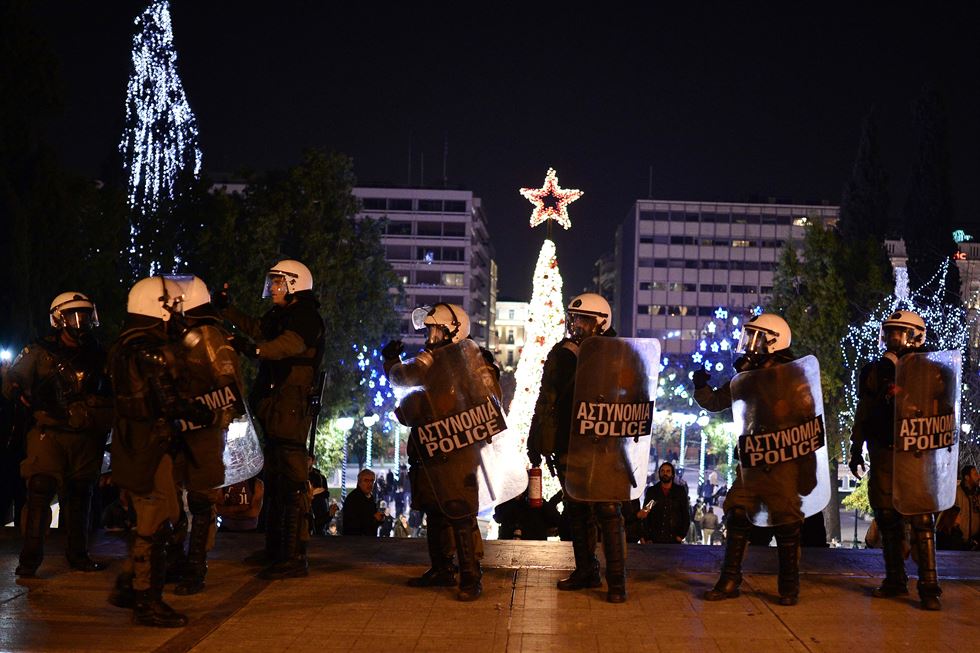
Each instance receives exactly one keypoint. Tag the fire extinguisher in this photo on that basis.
(534, 487)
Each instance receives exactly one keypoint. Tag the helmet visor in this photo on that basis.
(580, 325)
(275, 284)
(753, 341)
(79, 319)
(897, 338)
(418, 317)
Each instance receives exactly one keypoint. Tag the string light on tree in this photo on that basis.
(160, 142)
(545, 328)
(551, 201)
(947, 328)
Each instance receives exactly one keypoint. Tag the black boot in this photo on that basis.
(728, 584)
(614, 548)
(586, 574)
(37, 519)
(441, 543)
(122, 595)
(149, 609)
(272, 553)
(924, 532)
(892, 531)
(293, 543)
(788, 548)
(192, 580)
(79, 503)
(469, 549)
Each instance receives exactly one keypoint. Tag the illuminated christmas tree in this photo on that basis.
(160, 142)
(546, 319)
(947, 328)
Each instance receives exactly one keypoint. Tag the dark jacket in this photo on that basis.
(66, 387)
(138, 366)
(670, 516)
(290, 344)
(359, 511)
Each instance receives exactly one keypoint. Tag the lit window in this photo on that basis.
(740, 243)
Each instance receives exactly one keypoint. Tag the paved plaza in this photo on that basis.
(355, 599)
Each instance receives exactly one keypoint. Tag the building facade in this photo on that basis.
(677, 262)
(439, 246)
(509, 331)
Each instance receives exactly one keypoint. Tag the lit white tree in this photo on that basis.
(160, 141)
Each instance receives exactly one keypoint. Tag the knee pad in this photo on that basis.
(199, 503)
(738, 519)
(888, 520)
(609, 511)
(924, 522)
(42, 484)
(787, 530)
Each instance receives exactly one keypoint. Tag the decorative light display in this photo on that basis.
(160, 141)
(947, 328)
(544, 329)
(562, 197)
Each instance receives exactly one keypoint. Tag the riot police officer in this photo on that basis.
(904, 332)
(288, 343)
(588, 316)
(446, 325)
(211, 375)
(764, 344)
(61, 379)
(145, 365)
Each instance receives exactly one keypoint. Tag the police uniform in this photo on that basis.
(445, 536)
(874, 425)
(68, 393)
(212, 376)
(290, 348)
(549, 435)
(743, 501)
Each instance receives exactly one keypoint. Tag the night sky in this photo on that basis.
(722, 102)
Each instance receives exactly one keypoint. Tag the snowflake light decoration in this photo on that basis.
(561, 197)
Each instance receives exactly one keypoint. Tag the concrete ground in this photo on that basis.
(355, 599)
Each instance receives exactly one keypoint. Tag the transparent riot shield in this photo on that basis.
(454, 406)
(783, 473)
(612, 417)
(927, 418)
(212, 377)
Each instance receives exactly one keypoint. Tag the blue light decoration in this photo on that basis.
(160, 141)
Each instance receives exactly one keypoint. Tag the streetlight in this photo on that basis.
(369, 421)
(345, 424)
(684, 420)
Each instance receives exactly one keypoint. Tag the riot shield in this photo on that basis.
(456, 412)
(927, 418)
(783, 473)
(612, 417)
(212, 377)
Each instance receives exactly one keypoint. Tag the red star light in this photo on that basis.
(551, 201)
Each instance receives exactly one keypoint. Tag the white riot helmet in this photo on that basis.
(157, 297)
(595, 309)
(908, 329)
(446, 323)
(294, 274)
(764, 334)
(187, 292)
(73, 311)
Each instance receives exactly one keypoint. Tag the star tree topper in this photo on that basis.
(551, 201)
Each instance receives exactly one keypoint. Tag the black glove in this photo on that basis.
(195, 411)
(244, 346)
(534, 457)
(700, 378)
(221, 299)
(392, 350)
(857, 460)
